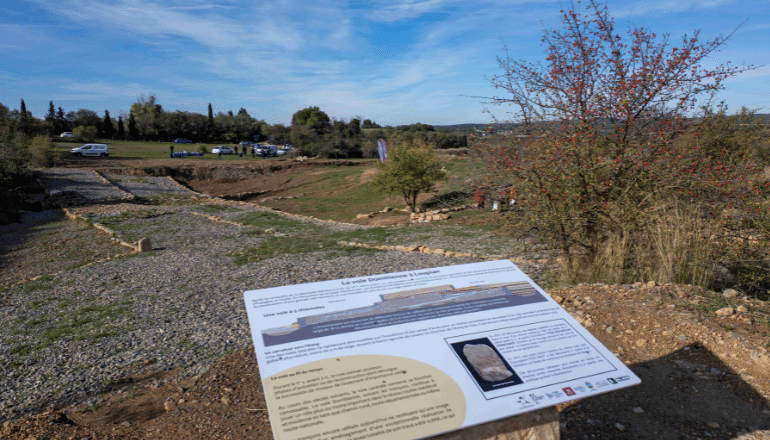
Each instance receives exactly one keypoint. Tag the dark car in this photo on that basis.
(182, 141)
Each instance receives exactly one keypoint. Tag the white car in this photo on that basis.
(221, 149)
(100, 150)
(67, 134)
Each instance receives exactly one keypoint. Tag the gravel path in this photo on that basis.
(86, 183)
(80, 331)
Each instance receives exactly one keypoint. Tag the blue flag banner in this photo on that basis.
(382, 148)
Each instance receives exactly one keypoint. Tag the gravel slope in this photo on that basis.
(81, 330)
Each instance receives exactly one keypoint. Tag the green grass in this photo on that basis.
(89, 323)
(141, 150)
(41, 283)
(268, 220)
(334, 193)
(276, 246)
(213, 209)
(129, 215)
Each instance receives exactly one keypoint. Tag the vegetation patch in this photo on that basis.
(276, 246)
(268, 220)
(213, 209)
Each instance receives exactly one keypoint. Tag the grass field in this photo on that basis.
(138, 150)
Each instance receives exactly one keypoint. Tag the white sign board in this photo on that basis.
(415, 354)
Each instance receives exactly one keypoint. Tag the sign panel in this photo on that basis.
(414, 354)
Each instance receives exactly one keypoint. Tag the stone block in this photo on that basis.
(144, 245)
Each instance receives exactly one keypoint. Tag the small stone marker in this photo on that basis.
(144, 245)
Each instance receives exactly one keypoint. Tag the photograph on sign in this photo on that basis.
(417, 353)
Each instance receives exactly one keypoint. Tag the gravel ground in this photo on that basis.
(86, 183)
(80, 331)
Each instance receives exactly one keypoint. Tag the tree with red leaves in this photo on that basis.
(612, 143)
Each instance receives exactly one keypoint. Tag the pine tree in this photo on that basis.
(210, 125)
(107, 128)
(133, 132)
(121, 128)
(50, 119)
(23, 118)
(61, 121)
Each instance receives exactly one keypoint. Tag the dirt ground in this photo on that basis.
(703, 376)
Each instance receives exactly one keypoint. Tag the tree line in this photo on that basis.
(311, 129)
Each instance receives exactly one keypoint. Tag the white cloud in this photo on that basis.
(404, 10)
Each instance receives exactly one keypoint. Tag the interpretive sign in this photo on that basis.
(415, 354)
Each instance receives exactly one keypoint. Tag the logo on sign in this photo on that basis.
(568, 391)
(601, 383)
(535, 398)
(589, 386)
(615, 380)
(522, 400)
(581, 389)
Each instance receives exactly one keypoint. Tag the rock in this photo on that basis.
(225, 400)
(742, 309)
(558, 299)
(609, 329)
(486, 362)
(713, 425)
(638, 410)
(144, 245)
(363, 216)
(387, 209)
(169, 404)
(729, 293)
(620, 427)
(725, 311)
(650, 284)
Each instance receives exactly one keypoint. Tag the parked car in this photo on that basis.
(270, 150)
(67, 134)
(246, 143)
(182, 141)
(221, 149)
(100, 150)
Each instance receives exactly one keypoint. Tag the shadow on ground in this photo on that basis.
(687, 394)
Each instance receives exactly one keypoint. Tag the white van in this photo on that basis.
(99, 150)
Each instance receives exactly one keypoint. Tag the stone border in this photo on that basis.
(270, 231)
(139, 246)
(436, 214)
(421, 217)
(426, 250)
(222, 201)
(127, 196)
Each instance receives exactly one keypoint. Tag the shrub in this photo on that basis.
(41, 151)
(612, 159)
(411, 168)
(87, 133)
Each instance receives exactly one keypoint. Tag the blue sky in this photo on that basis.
(393, 61)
